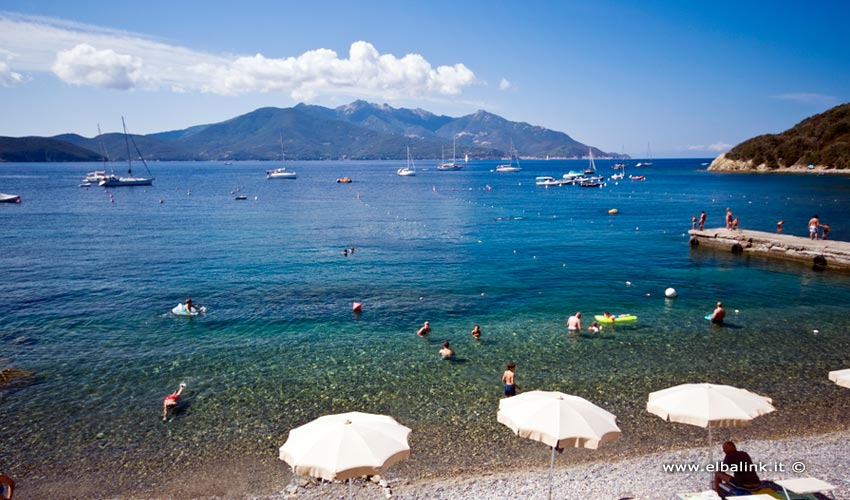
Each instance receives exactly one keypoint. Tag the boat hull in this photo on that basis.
(9, 198)
(126, 181)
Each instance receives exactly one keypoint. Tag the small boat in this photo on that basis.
(510, 167)
(622, 172)
(9, 198)
(344, 180)
(410, 169)
(637, 177)
(546, 180)
(570, 177)
(281, 172)
(240, 197)
(95, 177)
(591, 184)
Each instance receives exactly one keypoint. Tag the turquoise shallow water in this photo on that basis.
(88, 284)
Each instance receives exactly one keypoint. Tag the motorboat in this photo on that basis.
(571, 177)
(280, 173)
(9, 198)
(545, 180)
(344, 180)
(95, 177)
(637, 177)
(591, 184)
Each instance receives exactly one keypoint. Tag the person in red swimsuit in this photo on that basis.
(170, 401)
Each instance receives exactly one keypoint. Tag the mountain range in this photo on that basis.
(356, 131)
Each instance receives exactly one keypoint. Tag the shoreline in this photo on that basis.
(722, 164)
(639, 477)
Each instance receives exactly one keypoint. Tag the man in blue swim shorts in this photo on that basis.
(508, 379)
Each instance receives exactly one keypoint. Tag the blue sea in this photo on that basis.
(88, 282)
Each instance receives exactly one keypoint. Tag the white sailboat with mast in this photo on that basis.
(510, 167)
(115, 181)
(453, 164)
(410, 169)
(281, 172)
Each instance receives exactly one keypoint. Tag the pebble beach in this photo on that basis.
(825, 456)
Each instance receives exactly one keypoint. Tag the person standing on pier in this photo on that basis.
(702, 221)
(814, 224)
(729, 218)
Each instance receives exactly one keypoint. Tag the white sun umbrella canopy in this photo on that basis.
(558, 420)
(708, 405)
(346, 445)
(841, 377)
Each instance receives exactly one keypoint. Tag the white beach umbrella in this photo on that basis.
(708, 405)
(840, 377)
(346, 445)
(558, 420)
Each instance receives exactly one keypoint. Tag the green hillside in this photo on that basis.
(33, 149)
(822, 140)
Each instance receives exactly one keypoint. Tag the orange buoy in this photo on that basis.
(357, 307)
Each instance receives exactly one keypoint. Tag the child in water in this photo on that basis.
(595, 327)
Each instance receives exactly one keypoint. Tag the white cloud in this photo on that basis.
(716, 147)
(85, 65)
(808, 98)
(504, 84)
(9, 77)
(90, 55)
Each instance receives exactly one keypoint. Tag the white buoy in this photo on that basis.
(670, 293)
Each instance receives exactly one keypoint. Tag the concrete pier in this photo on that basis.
(819, 254)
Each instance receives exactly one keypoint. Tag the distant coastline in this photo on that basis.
(724, 164)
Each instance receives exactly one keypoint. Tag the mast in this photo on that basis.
(454, 142)
(103, 147)
(127, 143)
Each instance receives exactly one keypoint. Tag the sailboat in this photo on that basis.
(281, 172)
(453, 164)
(410, 169)
(648, 157)
(115, 181)
(510, 167)
(590, 178)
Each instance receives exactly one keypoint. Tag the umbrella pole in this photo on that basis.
(551, 466)
(349, 488)
(710, 457)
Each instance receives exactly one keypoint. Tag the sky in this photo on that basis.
(668, 78)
